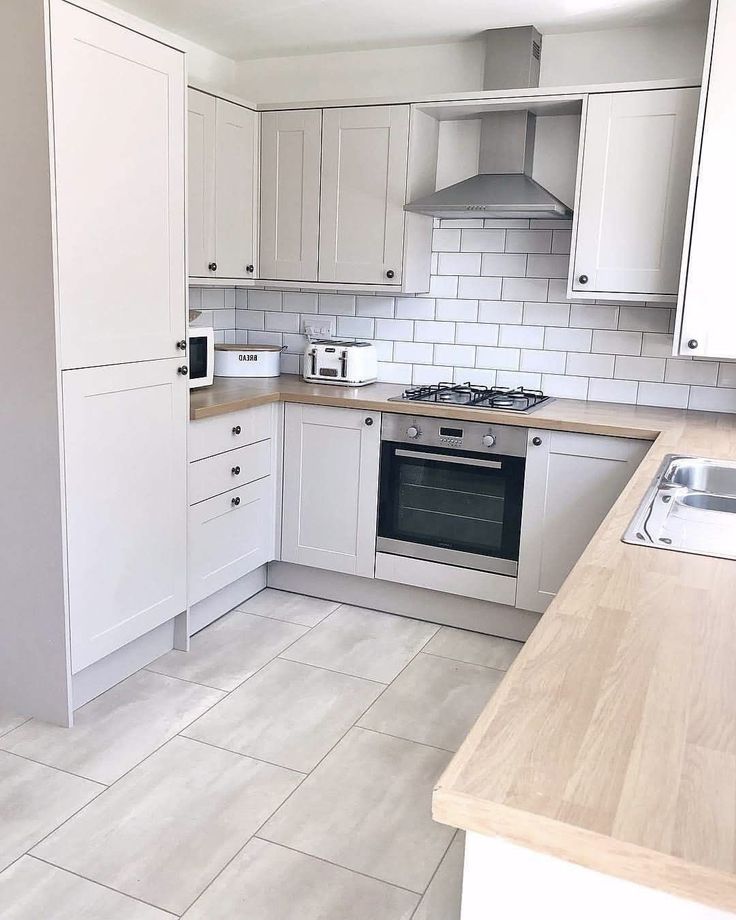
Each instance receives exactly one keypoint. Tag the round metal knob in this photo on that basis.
(489, 440)
(369, 421)
(412, 431)
(693, 343)
(237, 429)
(183, 370)
(182, 346)
(235, 471)
(249, 269)
(235, 501)
(212, 266)
(390, 273)
(583, 279)
(537, 442)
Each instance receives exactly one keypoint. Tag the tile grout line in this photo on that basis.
(488, 667)
(40, 763)
(219, 747)
(376, 731)
(444, 856)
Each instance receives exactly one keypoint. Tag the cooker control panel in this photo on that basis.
(478, 437)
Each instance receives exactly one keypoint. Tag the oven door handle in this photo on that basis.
(445, 458)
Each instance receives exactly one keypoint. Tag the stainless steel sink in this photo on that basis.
(690, 508)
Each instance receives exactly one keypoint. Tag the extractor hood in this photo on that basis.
(504, 187)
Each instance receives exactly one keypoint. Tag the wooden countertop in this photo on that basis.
(611, 742)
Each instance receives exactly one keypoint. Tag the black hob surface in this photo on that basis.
(474, 396)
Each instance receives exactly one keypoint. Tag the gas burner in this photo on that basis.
(475, 396)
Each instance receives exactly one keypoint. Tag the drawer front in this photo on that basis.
(211, 436)
(223, 472)
(230, 536)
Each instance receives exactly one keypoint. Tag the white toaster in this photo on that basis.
(348, 363)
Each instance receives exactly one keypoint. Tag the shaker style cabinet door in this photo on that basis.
(364, 166)
(119, 109)
(290, 164)
(235, 190)
(633, 190)
(125, 469)
(201, 183)
(330, 493)
(571, 482)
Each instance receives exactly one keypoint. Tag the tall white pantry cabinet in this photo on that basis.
(94, 430)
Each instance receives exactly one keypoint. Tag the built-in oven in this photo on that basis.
(451, 492)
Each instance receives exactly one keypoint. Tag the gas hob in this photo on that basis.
(473, 396)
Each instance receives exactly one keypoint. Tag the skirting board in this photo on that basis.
(419, 603)
(224, 600)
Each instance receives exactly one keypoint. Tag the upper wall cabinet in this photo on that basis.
(222, 188)
(118, 101)
(707, 321)
(291, 143)
(632, 194)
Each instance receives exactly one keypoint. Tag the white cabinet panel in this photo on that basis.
(364, 165)
(210, 436)
(633, 189)
(331, 458)
(215, 475)
(201, 182)
(290, 177)
(125, 471)
(119, 156)
(235, 190)
(571, 482)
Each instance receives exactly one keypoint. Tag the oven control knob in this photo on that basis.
(412, 432)
(489, 440)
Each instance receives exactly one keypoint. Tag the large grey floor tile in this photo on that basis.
(289, 714)
(361, 642)
(367, 807)
(269, 882)
(475, 648)
(33, 801)
(434, 701)
(442, 899)
(224, 654)
(10, 721)
(33, 890)
(293, 608)
(165, 830)
(117, 730)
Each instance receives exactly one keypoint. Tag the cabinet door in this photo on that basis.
(630, 215)
(119, 109)
(201, 183)
(364, 162)
(571, 483)
(290, 156)
(708, 321)
(234, 191)
(125, 470)
(330, 498)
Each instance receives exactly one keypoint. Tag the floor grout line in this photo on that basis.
(219, 747)
(474, 664)
(437, 869)
(321, 667)
(377, 731)
(40, 763)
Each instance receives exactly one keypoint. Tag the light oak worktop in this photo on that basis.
(611, 742)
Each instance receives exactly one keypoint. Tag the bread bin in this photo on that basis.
(248, 360)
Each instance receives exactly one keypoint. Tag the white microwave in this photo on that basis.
(201, 353)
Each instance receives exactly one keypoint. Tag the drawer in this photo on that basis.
(211, 436)
(223, 472)
(230, 536)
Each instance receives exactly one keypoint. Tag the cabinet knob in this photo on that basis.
(583, 279)
(693, 343)
(182, 345)
(183, 370)
(212, 266)
(235, 501)
(237, 430)
(369, 421)
(537, 442)
(249, 269)
(390, 273)
(235, 471)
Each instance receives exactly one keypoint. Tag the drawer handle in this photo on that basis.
(583, 279)
(237, 430)
(537, 442)
(369, 421)
(235, 502)
(235, 471)
(212, 266)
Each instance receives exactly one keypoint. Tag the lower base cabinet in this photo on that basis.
(572, 481)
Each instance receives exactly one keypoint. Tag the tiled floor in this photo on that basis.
(282, 770)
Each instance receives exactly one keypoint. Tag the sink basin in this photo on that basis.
(689, 508)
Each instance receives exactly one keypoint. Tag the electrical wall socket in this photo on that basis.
(316, 330)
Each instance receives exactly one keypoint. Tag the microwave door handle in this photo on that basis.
(445, 458)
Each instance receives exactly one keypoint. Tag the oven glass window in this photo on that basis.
(453, 500)
(197, 356)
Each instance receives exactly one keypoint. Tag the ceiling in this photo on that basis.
(249, 29)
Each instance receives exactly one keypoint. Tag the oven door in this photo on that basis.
(456, 507)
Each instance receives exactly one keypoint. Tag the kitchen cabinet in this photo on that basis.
(706, 323)
(118, 141)
(571, 482)
(222, 188)
(632, 194)
(330, 494)
(124, 440)
(364, 162)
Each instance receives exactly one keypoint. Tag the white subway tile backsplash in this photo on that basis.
(663, 394)
(413, 352)
(446, 240)
(429, 331)
(483, 240)
(558, 339)
(223, 319)
(617, 391)
(727, 374)
(498, 358)
(476, 375)
(459, 263)
(656, 345)
(524, 289)
(264, 300)
(650, 369)
(384, 349)
(480, 288)
(580, 364)
(504, 264)
(282, 322)
(295, 343)
(476, 333)
(460, 310)
(213, 298)
(454, 355)
(337, 304)
(644, 319)
(684, 370)
(442, 286)
(361, 327)
(547, 266)
(561, 240)
(519, 379)
(500, 311)
(521, 336)
(382, 307)
(256, 337)
(547, 314)
(195, 298)
(617, 343)
(250, 319)
(426, 373)
(713, 399)
(415, 308)
(565, 387)
(230, 300)
(529, 241)
(398, 330)
(388, 372)
(588, 316)
(546, 362)
(299, 302)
